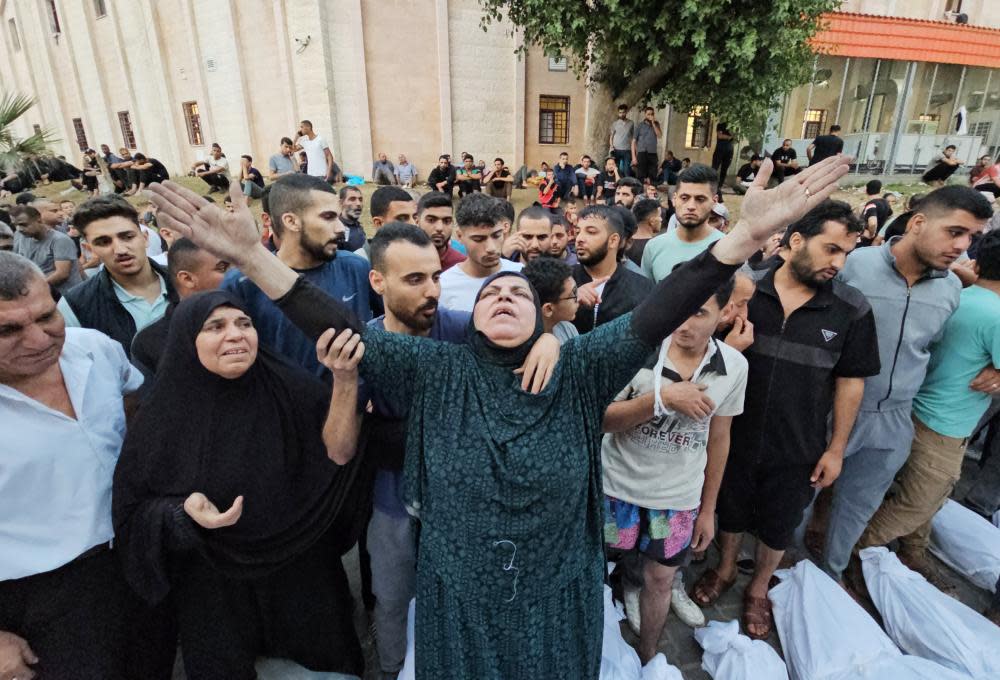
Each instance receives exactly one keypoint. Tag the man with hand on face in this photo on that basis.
(606, 288)
(131, 291)
(305, 216)
(736, 330)
(534, 228)
(192, 270)
(435, 217)
(663, 461)
(53, 251)
(480, 230)
(694, 199)
(828, 334)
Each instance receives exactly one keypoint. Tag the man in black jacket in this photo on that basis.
(606, 289)
(130, 291)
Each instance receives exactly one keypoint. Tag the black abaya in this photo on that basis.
(259, 436)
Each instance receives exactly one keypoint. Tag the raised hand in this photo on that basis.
(231, 236)
(206, 515)
(340, 353)
(769, 211)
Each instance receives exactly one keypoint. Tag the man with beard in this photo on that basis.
(534, 228)
(435, 217)
(352, 204)
(606, 289)
(627, 190)
(694, 199)
(130, 291)
(442, 177)
(560, 244)
(815, 344)
(480, 230)
(305, 216)
(912, 293)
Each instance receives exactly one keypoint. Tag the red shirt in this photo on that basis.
(450, 258)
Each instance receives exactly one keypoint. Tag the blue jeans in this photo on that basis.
(624, 161)
(251, 189)
(869, 468)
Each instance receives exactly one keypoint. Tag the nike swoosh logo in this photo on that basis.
(348, 298)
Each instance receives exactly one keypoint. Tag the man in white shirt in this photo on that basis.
(214, 170)
(480, 230)
(319, 158)
(664, 457)
(63, 600)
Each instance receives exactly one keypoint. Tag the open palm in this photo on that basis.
(769, 211)
(230, 235)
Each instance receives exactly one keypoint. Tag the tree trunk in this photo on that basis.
(604, 105)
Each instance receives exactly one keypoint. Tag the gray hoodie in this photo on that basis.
(907, 318)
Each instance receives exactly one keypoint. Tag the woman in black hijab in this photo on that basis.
(228, 425)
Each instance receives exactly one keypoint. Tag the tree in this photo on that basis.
(14, 151)
(735, 58)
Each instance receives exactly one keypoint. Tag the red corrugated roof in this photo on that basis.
(848, 34)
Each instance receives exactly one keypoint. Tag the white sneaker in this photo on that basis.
(632, 610)
(685, 608)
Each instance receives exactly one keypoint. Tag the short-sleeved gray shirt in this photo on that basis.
(280, 164)
(45, 252)
(645, 138)
(621, 134)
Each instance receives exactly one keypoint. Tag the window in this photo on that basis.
(553, 120)
(53, 16)
(100, 8)
(15, 39)
(81, 135)
(558, 64)
(128, 135)
(953, 6)
(813, 123)
(981, 129)
(193, 120)
(699, 128)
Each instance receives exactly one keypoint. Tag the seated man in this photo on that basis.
(785, 161)
(251, 180)
(149, 170)
(664, 458)
(383, 171)
(746, 174)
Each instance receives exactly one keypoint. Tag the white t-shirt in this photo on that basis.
(660, 464)
(315, 157)
(459, 290)
(220, 162)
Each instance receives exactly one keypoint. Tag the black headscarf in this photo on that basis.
(493, 353)
(258, 435)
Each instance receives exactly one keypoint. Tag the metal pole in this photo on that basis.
(897, 131)
(843, 87)
(866, 119)
(812, 83)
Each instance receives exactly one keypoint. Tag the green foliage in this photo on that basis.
(734, 56)
(14, 150)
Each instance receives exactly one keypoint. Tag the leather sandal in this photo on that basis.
(709, 588)
(757, 612)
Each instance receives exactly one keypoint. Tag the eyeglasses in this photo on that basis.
(570, 297)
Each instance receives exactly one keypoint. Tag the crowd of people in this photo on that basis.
(492, 405)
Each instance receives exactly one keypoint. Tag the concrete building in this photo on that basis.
(420, 77)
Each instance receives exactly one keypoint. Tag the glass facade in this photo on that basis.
(896, 116)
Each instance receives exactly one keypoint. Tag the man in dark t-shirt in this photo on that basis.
(825, 146)
(875, 212)
(785, 161)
